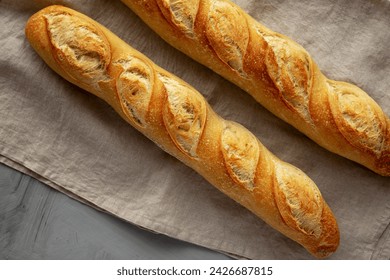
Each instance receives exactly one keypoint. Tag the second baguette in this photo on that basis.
(279, 73)
(179, 120)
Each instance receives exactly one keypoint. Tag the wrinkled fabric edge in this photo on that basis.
(138, 220)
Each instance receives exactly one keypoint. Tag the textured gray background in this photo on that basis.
(76, 144)
(37, 222)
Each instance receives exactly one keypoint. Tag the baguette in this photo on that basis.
(277, 72)
(180, 121)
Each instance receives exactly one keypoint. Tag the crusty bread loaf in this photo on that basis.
(179, 120)
(277, 72)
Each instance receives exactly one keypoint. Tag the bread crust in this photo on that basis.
(180, 121)
(278, 73)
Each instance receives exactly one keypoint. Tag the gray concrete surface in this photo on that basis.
(37, 222)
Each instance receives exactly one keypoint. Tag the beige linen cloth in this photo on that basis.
(77, 144)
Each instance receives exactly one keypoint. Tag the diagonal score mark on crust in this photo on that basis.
(299, 201)
(241, 153)
(355, 117)
(228, 34)
(81, 48)
(289, 67)
(184, 115)
(134, 86)
(182, 13)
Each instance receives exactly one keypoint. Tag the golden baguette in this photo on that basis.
(277, 72)
(179, 120)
